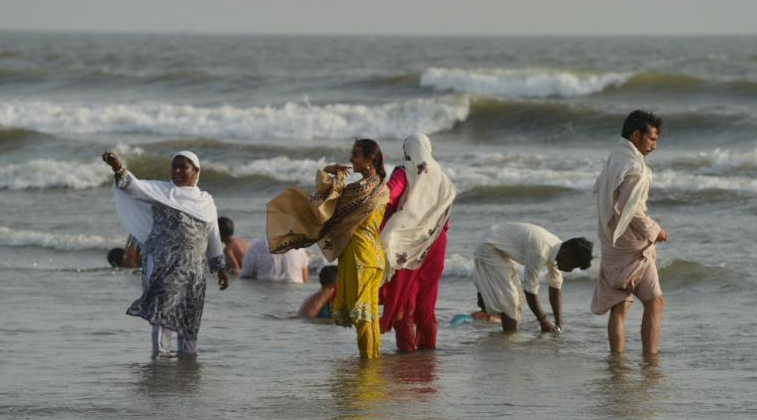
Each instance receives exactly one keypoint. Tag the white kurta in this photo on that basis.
(260, 264)
(495, 275)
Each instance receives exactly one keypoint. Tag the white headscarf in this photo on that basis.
(623, 161)
(135, 207)
(423, 209)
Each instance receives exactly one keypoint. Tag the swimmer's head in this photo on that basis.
(116, 257)
(226, 227)
(327, 276)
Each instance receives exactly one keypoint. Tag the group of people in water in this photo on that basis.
(389, 237)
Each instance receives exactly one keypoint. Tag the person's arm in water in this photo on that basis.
(305, 275)
(533, 303)
(314, 303)
(231, 261)
(555, 300)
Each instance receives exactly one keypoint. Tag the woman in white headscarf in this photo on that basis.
(177, 225)
(414, 240)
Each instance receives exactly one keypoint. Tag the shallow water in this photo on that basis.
(522, 125)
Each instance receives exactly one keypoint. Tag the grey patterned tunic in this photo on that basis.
(174, 261)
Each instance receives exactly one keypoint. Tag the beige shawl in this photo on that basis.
(422, 212)
(296, 219)
(624, 160)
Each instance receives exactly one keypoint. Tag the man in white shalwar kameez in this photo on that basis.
(628, 236)
(536, 249)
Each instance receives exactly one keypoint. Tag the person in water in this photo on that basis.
(177, 224)
(318, 305)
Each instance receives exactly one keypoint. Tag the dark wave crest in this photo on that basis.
(554, 121)
(511, 193)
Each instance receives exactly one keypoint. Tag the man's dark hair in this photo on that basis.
(116, 257)
(327, 275)
(640, 120)
(579, 250)
(226, 227)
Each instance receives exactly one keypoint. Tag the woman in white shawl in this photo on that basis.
(177, 226)
(414, 240)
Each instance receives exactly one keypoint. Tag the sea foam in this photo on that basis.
(526, 83)
(58, 241)
(292, 121)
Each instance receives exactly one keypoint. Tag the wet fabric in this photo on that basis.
(628, 264)
(409, 298)
(297, 219)
(422, 210)
(175, 256)
(359, 274)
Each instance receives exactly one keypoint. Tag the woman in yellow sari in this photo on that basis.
(344, 220)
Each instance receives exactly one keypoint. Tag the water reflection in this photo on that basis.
(371, 388)
(631, 389)
(169, 377)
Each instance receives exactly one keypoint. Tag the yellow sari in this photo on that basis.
(344, 220)
(359, 275)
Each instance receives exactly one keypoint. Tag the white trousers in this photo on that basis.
(161, 343)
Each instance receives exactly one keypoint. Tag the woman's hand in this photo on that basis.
(223, 280)
(111, 158)
(337, 168)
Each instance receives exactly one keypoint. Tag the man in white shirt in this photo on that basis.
(259, 263)
(535, 248)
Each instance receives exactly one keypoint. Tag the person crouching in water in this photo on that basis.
(318, 305)
(535, 248)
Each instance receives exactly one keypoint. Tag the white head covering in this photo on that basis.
(423, 208)
(192, 158)
(624, 160)
(134, 206)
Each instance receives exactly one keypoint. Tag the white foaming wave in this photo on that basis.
(466, 177)
(456, 265)
(677, 180)
(280, 168)
(300, 121)
(720, 160)
(59, 241)
(527, 82)
(581, 175)
(50, 173)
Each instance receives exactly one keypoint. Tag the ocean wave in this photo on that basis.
(556, 83)
(456, 265)
(677, 273)
(508, 193)
(529, 121)
(299, 121)
(683, 83)
(58, 241)
(524, 83)
(718, 161)
(51, 173)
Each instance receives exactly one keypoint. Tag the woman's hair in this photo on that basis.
(371, 149)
